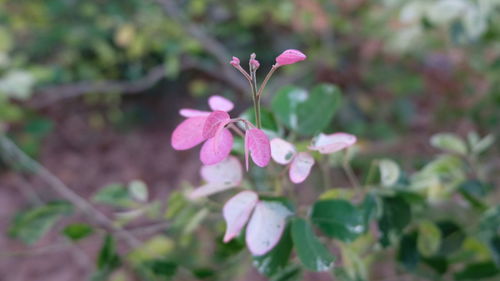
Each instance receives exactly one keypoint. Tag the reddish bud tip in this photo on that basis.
(290, 56)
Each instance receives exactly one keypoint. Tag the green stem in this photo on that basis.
(350, 175)
(255, 97)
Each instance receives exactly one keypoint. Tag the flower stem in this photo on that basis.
(255, 98)
(264, 83)
(350, 175)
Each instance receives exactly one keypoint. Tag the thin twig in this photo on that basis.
(14, 156)
(211, 45)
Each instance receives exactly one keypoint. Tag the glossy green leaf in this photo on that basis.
(478, 271)
(311, 252)
(396, 215)
(107, 259)
(408, 254)
(429, 238)
(77, 231)
(449, 142)
(31, 225)
(338, 219)
(277, 259)
(292, 272)
(308, 114)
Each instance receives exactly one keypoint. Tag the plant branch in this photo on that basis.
(15, 157)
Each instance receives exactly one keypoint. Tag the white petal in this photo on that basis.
(266, 227)
(227, 172)
(327, 144)
(282, 151)
(301, 167)
(237, 211)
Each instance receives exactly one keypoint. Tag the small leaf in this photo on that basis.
(338, 219)
(31, 225)
(407, 253)
(327, 144)
(214, 123)
(429, 238)
(219, 177)
(307, 114)
(220, 103)
(216, 149)
(266, 227)
(389, 172)
(313, 255)
(189, 133)
(282, 151)
(77, 231)
(275, 261)
(257, 143)
(237, 211)
(114, 195)
(301, 167)
(396, 215)
(477, 271)
(188, 112)
(449, 142)
(138, 190)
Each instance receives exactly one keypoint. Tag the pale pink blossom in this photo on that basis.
(257, 143)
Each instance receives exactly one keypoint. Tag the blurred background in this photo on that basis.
(92, 89)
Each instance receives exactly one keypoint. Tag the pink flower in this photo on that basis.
(206, 126)
(290, 56)
(235, 61)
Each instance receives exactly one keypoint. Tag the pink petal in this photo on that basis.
(235, 61)
(188, 112)
(207, 190)
(266, 227)
(220, 103)
(215, 122)
(301, 167)
(237, 211)
(290, 56)
(282, 151)
(257, 142)
(327, 144)
(216, 149)
(188, 133)
(226, 172)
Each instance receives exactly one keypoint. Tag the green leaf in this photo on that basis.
(478, 271)
(473, 190)
(396, 215)
(107, 260)
(277, 259)
(452, 237)
(429, 238)
(138, 190)
(77, 231)
(389, 172)
(338, 219)
(407, 253)
(114, 195)
(267, 119)
(108, 257)
(160, 269)
(371, 209)
(308, 114)
(31, 225)
(311, 252)
(449, 142)
(292, 272)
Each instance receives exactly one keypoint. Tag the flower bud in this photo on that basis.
(290, 56)
(235, 61)
(253, 62)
